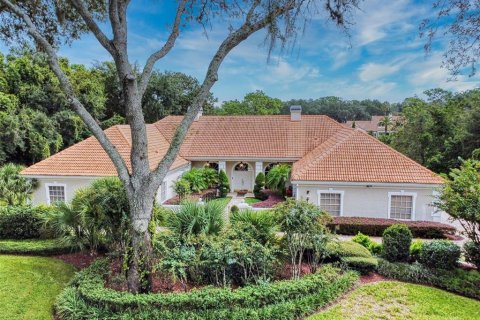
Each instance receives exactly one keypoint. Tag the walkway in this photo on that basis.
(236, 201)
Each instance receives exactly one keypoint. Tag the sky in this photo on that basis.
(382, 59)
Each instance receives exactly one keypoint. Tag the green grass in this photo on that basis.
(398, 300)
(223, 201)
(252, 200)
(29, 286)
(33, 246)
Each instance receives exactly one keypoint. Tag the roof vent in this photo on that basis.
(199, 114)
(296, 113)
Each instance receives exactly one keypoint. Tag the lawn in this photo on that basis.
(398, 300)
(29, 286)
(252, 200)
(223, 201)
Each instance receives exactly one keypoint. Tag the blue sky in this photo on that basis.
(384, 58)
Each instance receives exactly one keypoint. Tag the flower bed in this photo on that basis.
(288, 299)
(273, 199)
(376, 226)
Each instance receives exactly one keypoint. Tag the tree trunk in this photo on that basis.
(139, 274)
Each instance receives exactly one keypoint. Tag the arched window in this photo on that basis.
(242, 166)
(270, 166)
(213, 165)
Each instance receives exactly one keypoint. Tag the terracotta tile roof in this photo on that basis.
(251, 136)
(87, 158)
(372, 124)
(354, 156)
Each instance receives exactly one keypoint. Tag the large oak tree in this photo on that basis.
(49, 23)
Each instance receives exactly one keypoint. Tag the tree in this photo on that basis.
(386, 122)
(259, 184)
(50, 23)
(278, 177)
(223, 184)
(253, 103)
(459, 21)
(15, 190)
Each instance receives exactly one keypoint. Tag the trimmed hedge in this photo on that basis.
(20, 222)
(336, 250)
(466, 283)
(396, 242)
(472, 253)
(376, 227)
(87, 298)
(35, 247)
(441, 254)
(362, 265)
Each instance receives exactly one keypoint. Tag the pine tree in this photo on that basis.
(259, 184)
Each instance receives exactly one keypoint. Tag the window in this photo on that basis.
(331, 202)
(241, 167)
(402, 206)
(55, 193)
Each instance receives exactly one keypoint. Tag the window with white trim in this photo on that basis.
(56, 193)
(331, 203)
(401, 207)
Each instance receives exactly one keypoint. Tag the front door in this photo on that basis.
(242, 177)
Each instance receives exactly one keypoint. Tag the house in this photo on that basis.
(374, 126)
(343, 170)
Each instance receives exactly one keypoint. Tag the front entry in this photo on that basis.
(242, 177)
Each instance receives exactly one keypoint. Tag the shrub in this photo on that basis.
(376, 227)
(336, 250)
(278, 176)
(375, 248)
(459, 281)
(21, 222)
(182, 188)
(259, 184)
(34, 246)
(415, 249)
(87, 298)
(15, 189)
(210, 176)
(396, 242)
(442, 254)
(261, 225)
(364, 240)
(361, 264)
(472, 253)
(196, 179)
(223, 184)
(234, 209)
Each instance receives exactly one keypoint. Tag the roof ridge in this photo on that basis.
(121, 133)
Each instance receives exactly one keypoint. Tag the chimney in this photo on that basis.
(296, 113)
(199, 114)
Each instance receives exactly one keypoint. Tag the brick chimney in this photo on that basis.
(295, 113)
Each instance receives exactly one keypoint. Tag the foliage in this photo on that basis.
(399, 300)
(459, 198)
(415, 249)
(97, 217)
(260, 225)
(182, 188)
(15, 190)
(396, 242)
(175, 261)
(472, 253)
(22, 222)
(302, 222)
(441, 254)
(257, 103)
(210, 176)
(234, 209)
(364, 240)
(466, 283)
(361, 264)
(337, 250)
(259, 184)
(223, 184)
(34, 246)
(194, 219)
(29, 286)
(278, 177)
(288, 299)
(376, 227)
(196, 179)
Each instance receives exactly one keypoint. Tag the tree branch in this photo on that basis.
(234, 39)
(147, 70)
(107, 145)
(81, 6)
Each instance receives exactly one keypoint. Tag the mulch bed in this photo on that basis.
(372, 277)
(79, 260)
(192, 197)
(273, 199)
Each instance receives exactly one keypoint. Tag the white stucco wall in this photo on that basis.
(373, 201)
(169, 182)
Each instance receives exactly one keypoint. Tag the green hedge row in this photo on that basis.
(20, 222)
(87, 298)
(36, 247)
(466, 283)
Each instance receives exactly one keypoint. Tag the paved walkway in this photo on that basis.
(236, 201)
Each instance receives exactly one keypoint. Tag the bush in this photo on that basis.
(472, 253)
(35, 247)
(396, 242)
(466, 283)
(223, 184)
(441, 254)
(364, 240)
(87, 297)
(196, 179)
(415, 249)
(234, 209)
(261, 225)
(182, 188)
(375, 248)
(15, 189)
(361, 264)
(376, 227)
(21, 222)
(336, 250)
(259, 184)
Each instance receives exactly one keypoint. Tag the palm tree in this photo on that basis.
(278, 177)
(386, 122)
(14, 189)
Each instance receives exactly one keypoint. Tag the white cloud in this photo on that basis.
(373, 71)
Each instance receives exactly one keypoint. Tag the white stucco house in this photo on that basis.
(343, 170)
